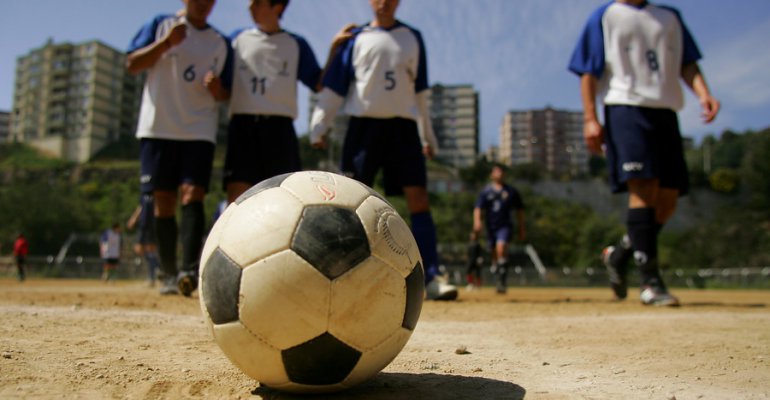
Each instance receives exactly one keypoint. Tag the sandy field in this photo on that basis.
(84, 339)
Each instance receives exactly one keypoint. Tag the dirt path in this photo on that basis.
(66, 339)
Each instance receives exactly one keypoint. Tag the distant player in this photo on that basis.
(20, 251)
(474, 260)
(188, 65)
(497, 201)
(268, 62)
(109, 249)
(632, 55)
(381, 76)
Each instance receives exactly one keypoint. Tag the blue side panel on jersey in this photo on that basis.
(308, 70)
(690, 51)
(340, 72)
(226, 77)
(146, 34)
(421, 82)
(588, 56)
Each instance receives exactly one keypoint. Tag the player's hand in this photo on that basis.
(427, 150)
(343, 35)
(593, 133)
(177, 34)
(710, 108)
(320, 143)
(212, 83)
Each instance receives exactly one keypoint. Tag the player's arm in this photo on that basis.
(477, 219)
(145, 57)
(693, 77)
(593, 131)
(345, 34)
(427, 136)
(322, 120)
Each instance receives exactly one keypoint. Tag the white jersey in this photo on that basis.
(266, 70)
(637, 52)
(109, 244)
(380, 71)
(175, 103)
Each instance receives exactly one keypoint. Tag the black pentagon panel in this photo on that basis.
(331, 239)
(221, 284)
(415, 292)
(262, 186)
(324, 360)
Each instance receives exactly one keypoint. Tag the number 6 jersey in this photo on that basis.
(175, 103)
(637, 52)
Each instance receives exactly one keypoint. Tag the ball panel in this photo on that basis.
(324, 360)
(389, 237)
(260, 226)
(262, 186)
(215, 234)
(319, 187)
(220, 286)
(331, 239)
(254, 357)
(374, 360)
(284, 300)
(367, 304)
(415, 293)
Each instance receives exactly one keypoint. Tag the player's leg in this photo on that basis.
(167, 234)
(196, 162)
(20, 268)
(502, 237)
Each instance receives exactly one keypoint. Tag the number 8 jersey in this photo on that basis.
(637, 52)
(175, 103)
(379, 71)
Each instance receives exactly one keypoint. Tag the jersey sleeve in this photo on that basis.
(588, 55)
(340, 72)
(226, 76)
(481, 201)
(146, 34)
(421, 82)
(308, 70)
(690, 51)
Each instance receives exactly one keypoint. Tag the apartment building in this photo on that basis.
(547, 137)
(70, 100)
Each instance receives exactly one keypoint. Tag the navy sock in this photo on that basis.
(425, 234)
(623, 251)
(192, 227)
(643, 232)
(166, 232)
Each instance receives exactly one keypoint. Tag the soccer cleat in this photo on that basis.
(656, 296)
(437, 290)
(187, 282)
(617, 274)
(169, 287)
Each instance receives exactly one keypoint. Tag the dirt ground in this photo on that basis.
(85, 339)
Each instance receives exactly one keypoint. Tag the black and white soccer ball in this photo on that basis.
(311, 282)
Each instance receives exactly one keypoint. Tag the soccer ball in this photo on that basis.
(311, 282)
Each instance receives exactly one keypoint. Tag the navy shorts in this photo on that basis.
(391, 144)
(260, 147)
(644, 143)
(166, 164)
(497, 235)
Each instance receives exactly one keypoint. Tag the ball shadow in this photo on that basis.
(405, 386)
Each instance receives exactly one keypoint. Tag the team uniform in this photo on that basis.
(380, 78)
(380, 75)
(109, 249)
(177, 129)
(262, 141)
(20, 251)
(498, 205)
(178, 117)
(637, 53)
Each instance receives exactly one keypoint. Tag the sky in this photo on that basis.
(514, 52)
